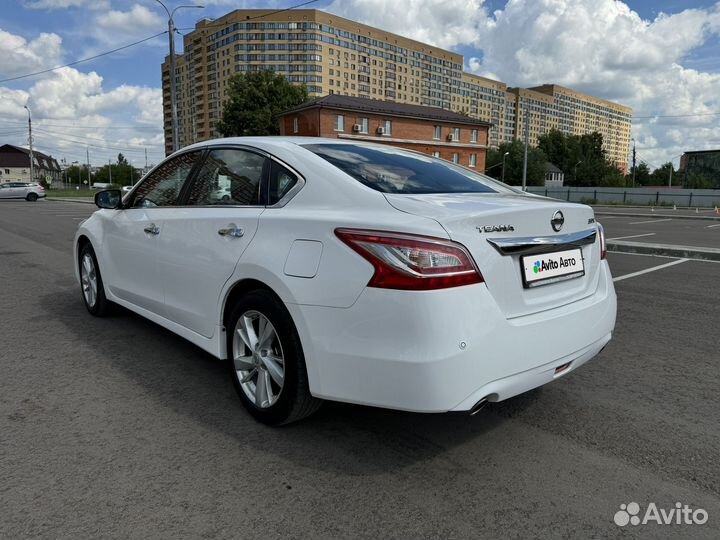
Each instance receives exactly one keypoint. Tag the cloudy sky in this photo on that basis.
(661, 57)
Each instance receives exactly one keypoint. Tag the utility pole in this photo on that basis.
(670, 179)
(527, 141)
(145, 160)
(634, 160)
(503, 169)
(32, 158)
(87, 154)
(173, 92)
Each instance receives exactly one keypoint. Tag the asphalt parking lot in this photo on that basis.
(117, 428)
(663, 230)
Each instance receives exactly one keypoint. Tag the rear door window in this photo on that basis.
(229, 176)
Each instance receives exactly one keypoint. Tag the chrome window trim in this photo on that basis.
(531, 245)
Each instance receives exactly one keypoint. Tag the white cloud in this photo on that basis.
(601, 47)
(443, 23)
(19, 55)
(72, 111)
(116, 27)
(138, 19)
(64, 4)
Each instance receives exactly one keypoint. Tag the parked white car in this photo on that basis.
(22, 190)
(355, 272)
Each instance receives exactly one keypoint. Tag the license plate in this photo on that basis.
(548, 268)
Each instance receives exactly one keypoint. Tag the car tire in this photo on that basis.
(91, 283)
(32, 197)
(256, 371)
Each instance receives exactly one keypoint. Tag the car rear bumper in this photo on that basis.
(437, 351)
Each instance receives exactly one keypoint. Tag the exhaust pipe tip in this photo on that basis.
(480, 405)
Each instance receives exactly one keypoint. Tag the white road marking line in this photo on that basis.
(633, 236)
(711, 226)
(652, 269)
(649, 221)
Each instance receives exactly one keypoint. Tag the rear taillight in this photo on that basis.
(603, 245)
(412, 262)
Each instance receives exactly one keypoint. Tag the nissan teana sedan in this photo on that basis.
(348, 271)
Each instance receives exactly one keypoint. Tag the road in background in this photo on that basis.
(116, 427)
(658, 230)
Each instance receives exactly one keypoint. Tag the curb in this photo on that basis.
(674, 216)
(77, 200)
(668, 250)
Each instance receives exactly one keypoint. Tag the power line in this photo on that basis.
(256, 16)
(67, 126)
(85, 137)
(126, 149)
(83, 59)
(675, 115)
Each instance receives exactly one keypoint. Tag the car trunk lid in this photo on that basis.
(500, 229)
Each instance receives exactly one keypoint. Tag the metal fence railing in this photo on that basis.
(633, 196)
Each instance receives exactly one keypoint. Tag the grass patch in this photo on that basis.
(66, 193)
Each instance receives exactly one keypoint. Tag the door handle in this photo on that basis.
(232, 232)
(152, 229)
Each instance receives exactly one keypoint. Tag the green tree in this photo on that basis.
(72, 172)
(581, 157)
(255, 100)
(661, 175)
(642, 175)
(122, 160)
(514, 164)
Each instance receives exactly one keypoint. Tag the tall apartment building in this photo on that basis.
(333, 55)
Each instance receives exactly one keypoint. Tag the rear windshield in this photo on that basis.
(392, 170)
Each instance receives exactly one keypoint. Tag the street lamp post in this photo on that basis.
(78, 166)
(503, 169)
(173, 94)
(32, 165)
(575, 177)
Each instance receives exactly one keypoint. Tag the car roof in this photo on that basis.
(275, 142)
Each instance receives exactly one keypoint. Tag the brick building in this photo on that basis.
(430, 130)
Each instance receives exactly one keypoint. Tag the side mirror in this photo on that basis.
(110, 199)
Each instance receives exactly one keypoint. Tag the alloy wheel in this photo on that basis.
(259, 359)
(88, 277)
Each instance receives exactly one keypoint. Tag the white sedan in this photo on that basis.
(354, 272)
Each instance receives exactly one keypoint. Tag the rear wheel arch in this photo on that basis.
(240, 289)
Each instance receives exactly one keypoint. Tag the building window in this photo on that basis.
(387, 128)
(295, 125)
(456, 157)
(339, 122)
(456, 135)
(473, 160)
(436, 154)
(473, 136)
(437, 133)
(363, 123)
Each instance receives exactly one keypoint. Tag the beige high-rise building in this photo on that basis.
(333, 55)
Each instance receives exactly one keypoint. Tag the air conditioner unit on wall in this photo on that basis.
(356, 128)
(381, 130)
(450, 137)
